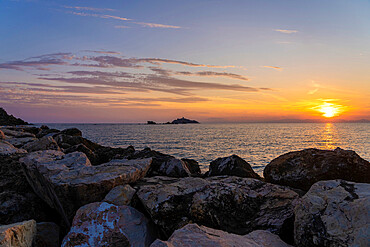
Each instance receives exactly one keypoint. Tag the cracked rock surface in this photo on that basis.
(333, 213)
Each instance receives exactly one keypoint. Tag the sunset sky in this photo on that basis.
(214, 61)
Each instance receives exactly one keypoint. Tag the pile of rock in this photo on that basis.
(81, 193)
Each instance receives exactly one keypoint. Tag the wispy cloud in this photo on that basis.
(273, 67)
(156, 25)
(99, 15)
(88, 8)
(286, 31)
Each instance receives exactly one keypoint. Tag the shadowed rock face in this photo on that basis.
(193, 235)
(233, 204)
(104, 224)
(18, 202)
(333, 213)
(301, 169)
(233, 166)
(68, 181)
(47, 234)
(20, 234)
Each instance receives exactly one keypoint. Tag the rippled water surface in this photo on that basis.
(256, 143)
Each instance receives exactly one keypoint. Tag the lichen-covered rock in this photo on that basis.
(45, 143)
(301, 169)
(233, 166)
(68, 181)
(234, 204)
(47, 234)
(7, 149)
(193, 235)
(19, 142)
(104, 224)
(333, 213)
(120, 195)
(20, 234)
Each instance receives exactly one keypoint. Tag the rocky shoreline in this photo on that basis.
(60, 189)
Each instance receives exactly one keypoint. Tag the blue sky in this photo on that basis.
(291, 48)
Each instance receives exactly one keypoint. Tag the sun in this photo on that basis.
(329, 110)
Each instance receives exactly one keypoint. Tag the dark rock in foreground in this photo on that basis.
(47, 234)
(104, 224)
(233, 204)
(193, 235)
(333, 213)
(184, 121)
(18, 202)
(6, 119)
(301, 169)
(232, 166)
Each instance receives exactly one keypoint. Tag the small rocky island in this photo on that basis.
(58, 188)
(177, 121)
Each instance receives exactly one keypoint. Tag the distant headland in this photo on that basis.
(177, 121)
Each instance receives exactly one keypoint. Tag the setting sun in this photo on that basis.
(329, 110)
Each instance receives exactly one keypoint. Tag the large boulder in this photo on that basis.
(193, 235)
(193, 166)
(47, 234)
(104, 224)
(233, 166)
(69, 181)
(333, 213)
(7, 149)
(301, 169)
(165, 165)
(20, 234)
(45, 143)
(233, 204)
(18, 202)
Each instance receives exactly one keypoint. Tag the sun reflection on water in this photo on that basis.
(328, 137)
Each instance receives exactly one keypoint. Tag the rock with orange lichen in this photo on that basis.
(21, 234)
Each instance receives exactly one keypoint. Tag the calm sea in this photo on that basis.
(257, 143)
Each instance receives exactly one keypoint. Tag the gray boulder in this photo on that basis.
(301, 169)
(333, 213)
(120, 195)
(45, 143)
(104, 224)
(193, 235)
(69, 181)
(16, 132)
(233, 166)
(233, 204)
(20, 234)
